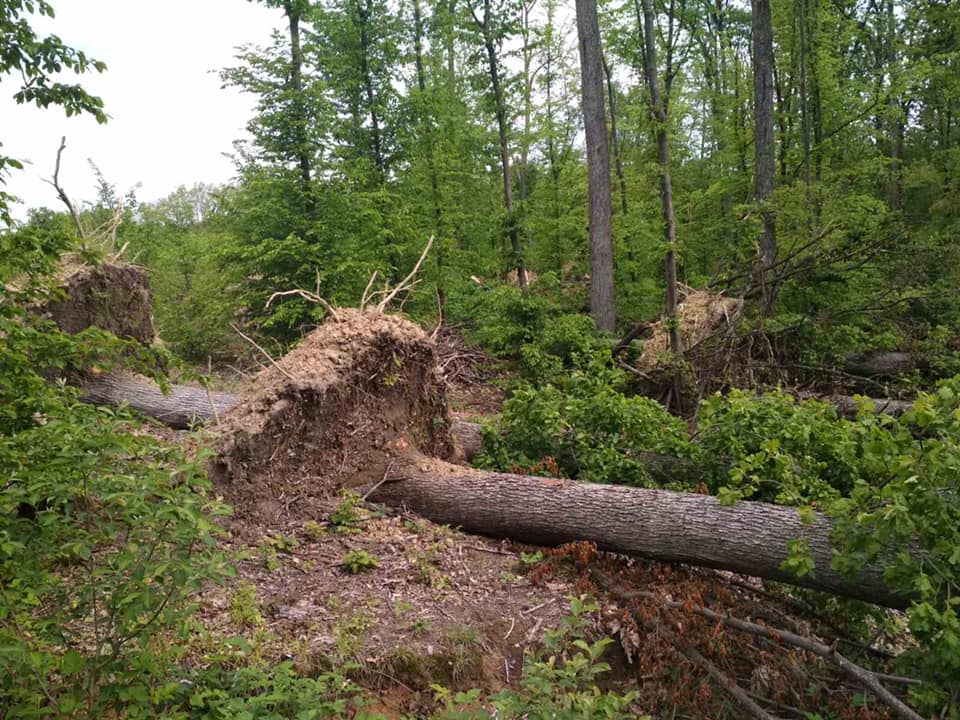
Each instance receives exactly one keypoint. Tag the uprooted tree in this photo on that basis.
(360, 403)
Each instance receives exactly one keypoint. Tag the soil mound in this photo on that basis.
(115, 298)
(330, 413)
(702, 315)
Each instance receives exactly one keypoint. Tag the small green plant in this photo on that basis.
(558, 681)
(346, 516)
(314, 530)
(401, 608)
(283, 543)
(358, 561)
(244, 610)
(350, 633)
(529, 560)
(269, 556)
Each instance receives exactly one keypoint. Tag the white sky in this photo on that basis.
(170, 122)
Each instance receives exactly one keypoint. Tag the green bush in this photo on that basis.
(104, 533)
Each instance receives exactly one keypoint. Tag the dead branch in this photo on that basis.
(408, 282)
(61, 193)
(726, 682)
(264, 352)
(863, 677)
(313, 297)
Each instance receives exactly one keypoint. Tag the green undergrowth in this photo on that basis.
(886, 482)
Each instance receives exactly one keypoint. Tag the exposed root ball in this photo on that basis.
(701, 316)
(332, 412)
(111, 297)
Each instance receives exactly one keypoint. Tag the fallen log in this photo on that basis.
(748, 538)
(849, 406)
(879, 364)
(182, 407)
(357, 397)
(185, 407)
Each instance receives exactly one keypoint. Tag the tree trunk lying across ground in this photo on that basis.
(748, 537)
(879, 364)
(181, 408)
(185, 406)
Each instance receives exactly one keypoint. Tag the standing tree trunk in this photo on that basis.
(363, 18)
(293, 12)
(764, 145)
(659, 113)
(493, 67)
(602, 303)
(427, 127)
(614, 138)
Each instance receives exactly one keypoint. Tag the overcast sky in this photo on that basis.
(170, 122)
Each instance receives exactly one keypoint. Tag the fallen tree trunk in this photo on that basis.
(185, 407)
(849, 406)
(749, 538)
(181, 408)
(879, 364)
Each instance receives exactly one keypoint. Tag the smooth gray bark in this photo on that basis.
(602, 302)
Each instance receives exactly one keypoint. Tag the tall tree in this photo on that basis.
(492, 26)
(661, 122)
(764, 150)
(602, 302)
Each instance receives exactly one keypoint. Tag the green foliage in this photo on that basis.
(346, 517)
(358, 561)
(35, 61)
(244, 609)
(777, 448)
(914, 508)
(104, 533)
(577, 415)
(254, 693)
(559, 681)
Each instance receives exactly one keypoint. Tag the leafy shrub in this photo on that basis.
(595, 433)
(358, 561)
(910, 501)
(255, 693)
(776, 448)
(559, 681)
(104, 533)
(506, 318)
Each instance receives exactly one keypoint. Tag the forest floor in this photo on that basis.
(440, 606)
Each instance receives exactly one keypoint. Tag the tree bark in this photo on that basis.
(602, 302)
(293, 10)
(500, 107)
(363, 17)
(879, 364)
(659, 112)
(614, 137)
(749, 538)
(764, 144)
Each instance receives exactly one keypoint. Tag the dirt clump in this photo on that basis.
(108, 296)
(334, 411)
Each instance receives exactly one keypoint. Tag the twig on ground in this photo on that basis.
(726, 682)
(386, 475)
